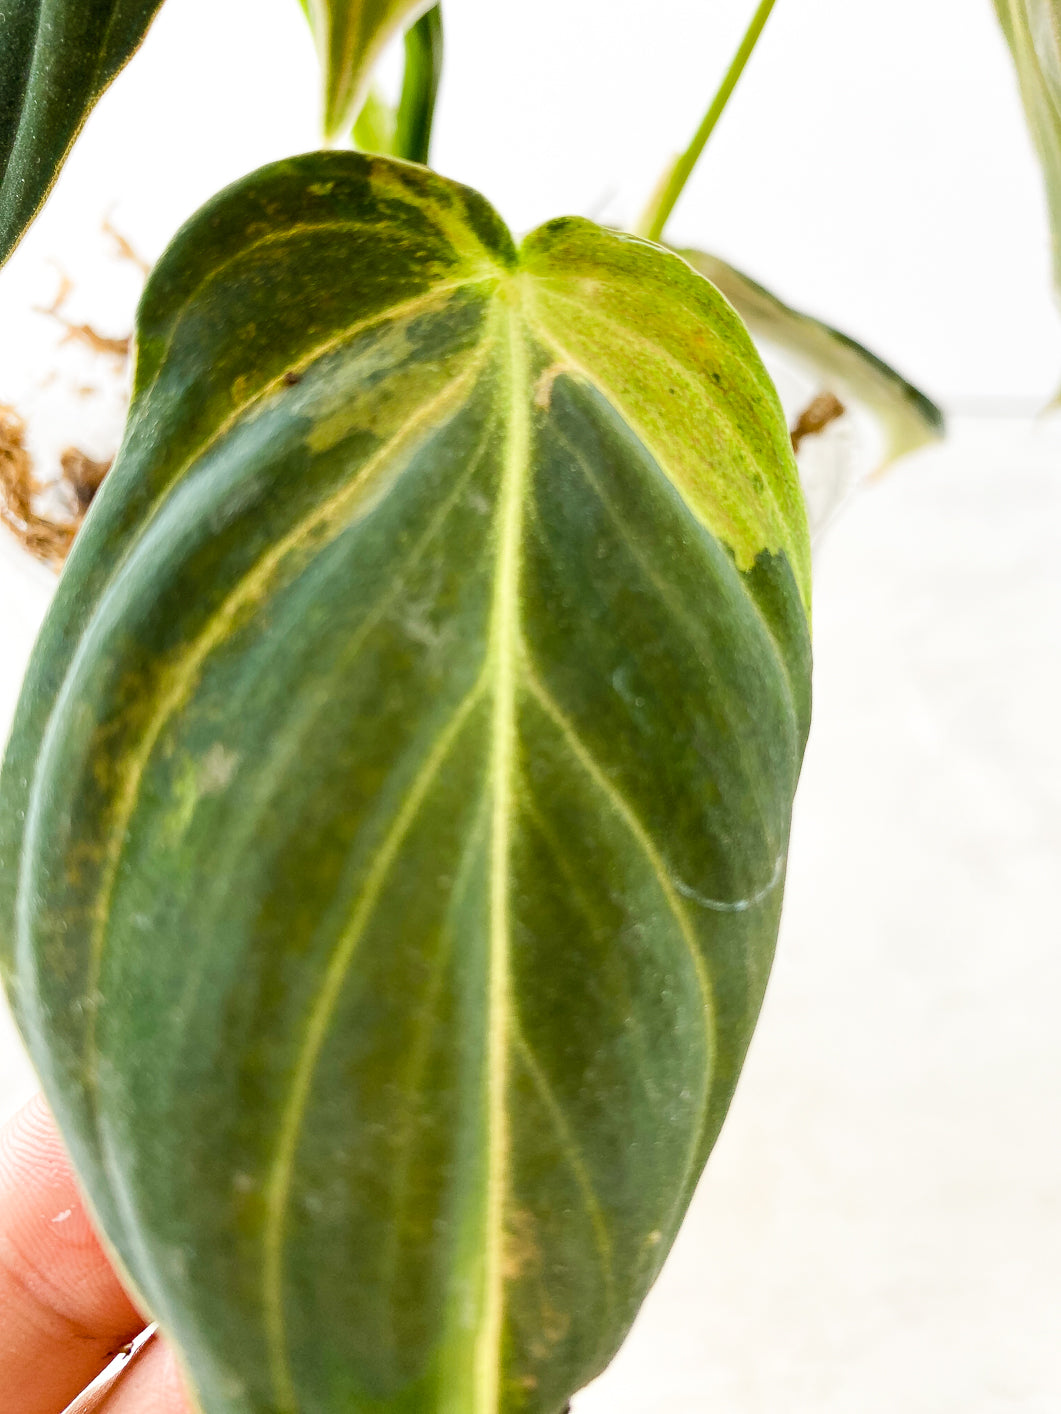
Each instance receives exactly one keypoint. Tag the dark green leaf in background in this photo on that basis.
(424, 51)
(395, 822)
(56, 59)
(907, 419)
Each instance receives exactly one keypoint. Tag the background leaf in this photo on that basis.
(1033, 29)
(907, 418)
(351, 35)
(405, 131)
(377, 126)
(394, 826)
(56, 59)
(424, 53)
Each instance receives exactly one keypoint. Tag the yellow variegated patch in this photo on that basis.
(908, 420)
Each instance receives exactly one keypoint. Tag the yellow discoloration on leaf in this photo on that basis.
(668, 353)
(522, 1255)
(217, 769)
(384, 384)
(543, 388)
(907, 419)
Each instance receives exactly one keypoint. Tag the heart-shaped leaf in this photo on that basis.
(1033, 29)
(908, 420)
(395, 820)
(56, 59)
(351, 35)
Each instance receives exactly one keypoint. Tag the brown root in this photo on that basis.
(124, 247)
(83, 476)
(823, 410)
(45, 516)
(98, 343)
(45, 537)
(119, 348)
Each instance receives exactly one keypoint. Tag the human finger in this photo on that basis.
(63, 1312)
(149, 1383)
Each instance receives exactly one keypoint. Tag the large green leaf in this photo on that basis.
(1033, 29)
(56, 59)
(395, 820)
(907, 418)
(351, 35)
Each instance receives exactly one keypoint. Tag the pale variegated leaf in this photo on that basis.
(908, 420)
(1033, 30)
(351, 35)
(405, 130)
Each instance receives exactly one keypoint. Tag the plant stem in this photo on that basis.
(423, 73)
(672, 185)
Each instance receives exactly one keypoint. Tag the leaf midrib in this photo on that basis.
(505, 639)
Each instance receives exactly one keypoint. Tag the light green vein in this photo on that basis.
(695, 629)
(750, 470)
(666, 590)
(419, 1051)
(568, 358)
(623, 809)
(278, 1188)
(285, 233)
(586, 907)
(626, 333)
(185, 674)
(503, 653)
(144, 408)
(393, 314)
(290, 744)
(577, 1163)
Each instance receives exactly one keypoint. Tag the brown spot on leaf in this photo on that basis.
(555, 1324)
(543, 389)
(522, 1255)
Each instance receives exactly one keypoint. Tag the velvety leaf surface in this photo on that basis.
(907, 418)
(351, 35)
(395, 822)
(56, 59)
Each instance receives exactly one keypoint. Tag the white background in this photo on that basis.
(880, 1228)
(872, 166)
